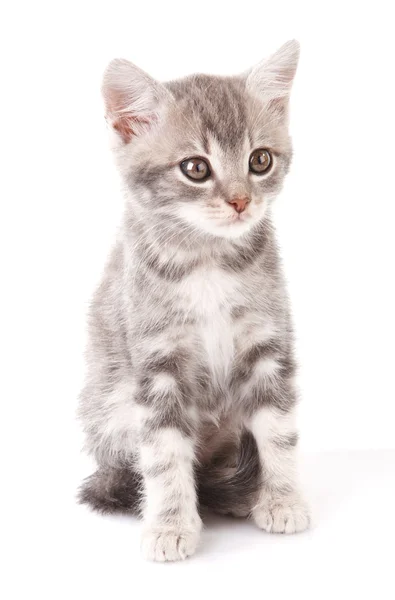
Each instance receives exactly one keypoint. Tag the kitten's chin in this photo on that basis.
(225, 229)
(232, 229)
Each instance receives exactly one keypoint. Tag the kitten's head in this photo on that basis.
(205, 151)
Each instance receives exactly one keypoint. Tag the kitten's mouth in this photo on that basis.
(235, 221)
(239, 218)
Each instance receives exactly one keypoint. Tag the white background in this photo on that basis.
(60, 206)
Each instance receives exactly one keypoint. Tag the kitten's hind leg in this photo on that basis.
(112, 489)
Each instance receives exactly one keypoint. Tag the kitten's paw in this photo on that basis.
(161, 544)
(289, 514)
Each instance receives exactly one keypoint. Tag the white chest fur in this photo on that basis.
(208, 296)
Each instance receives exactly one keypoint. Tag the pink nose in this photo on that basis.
(239, 204)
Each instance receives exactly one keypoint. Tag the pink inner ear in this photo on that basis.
(124, 128)
(125, 123)
(129, 125)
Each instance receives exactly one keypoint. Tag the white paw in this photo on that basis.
(161, 543)
(289, 514)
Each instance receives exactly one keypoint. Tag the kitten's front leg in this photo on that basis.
(281, 507)
(172, 524)
(266, 387)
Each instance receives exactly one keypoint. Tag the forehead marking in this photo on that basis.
(217, 105)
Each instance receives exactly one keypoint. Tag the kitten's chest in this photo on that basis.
(208, 298)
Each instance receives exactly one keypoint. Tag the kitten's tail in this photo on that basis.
(232, 491)
(225, 490)
(112, 489)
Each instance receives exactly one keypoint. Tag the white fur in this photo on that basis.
(226, 223)
(175, 539)
(122, 420)
(169, 447)
(255, 332)
(208, 295)
(280, 507)
(266, 368)
(134, 86)
(157, 344)
(163, 384)
(272, 78)
(267, 424)
(167, 544)
(285, 514)
(264, 374)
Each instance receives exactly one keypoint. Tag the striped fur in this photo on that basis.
(190, 396)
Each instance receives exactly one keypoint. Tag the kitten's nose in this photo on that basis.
(239, 204)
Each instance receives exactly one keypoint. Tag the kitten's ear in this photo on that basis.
(272, 78)
(132, 98)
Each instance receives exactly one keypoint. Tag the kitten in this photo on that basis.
(190, 392)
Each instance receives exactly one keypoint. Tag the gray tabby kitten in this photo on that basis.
(190, 393)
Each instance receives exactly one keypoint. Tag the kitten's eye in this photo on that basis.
(196, 169)
(260, 161)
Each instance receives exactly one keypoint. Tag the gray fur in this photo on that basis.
(146, 318)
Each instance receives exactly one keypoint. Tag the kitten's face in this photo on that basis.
(212, 154)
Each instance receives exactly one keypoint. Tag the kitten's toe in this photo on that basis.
(164, 544)
(282, 515)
